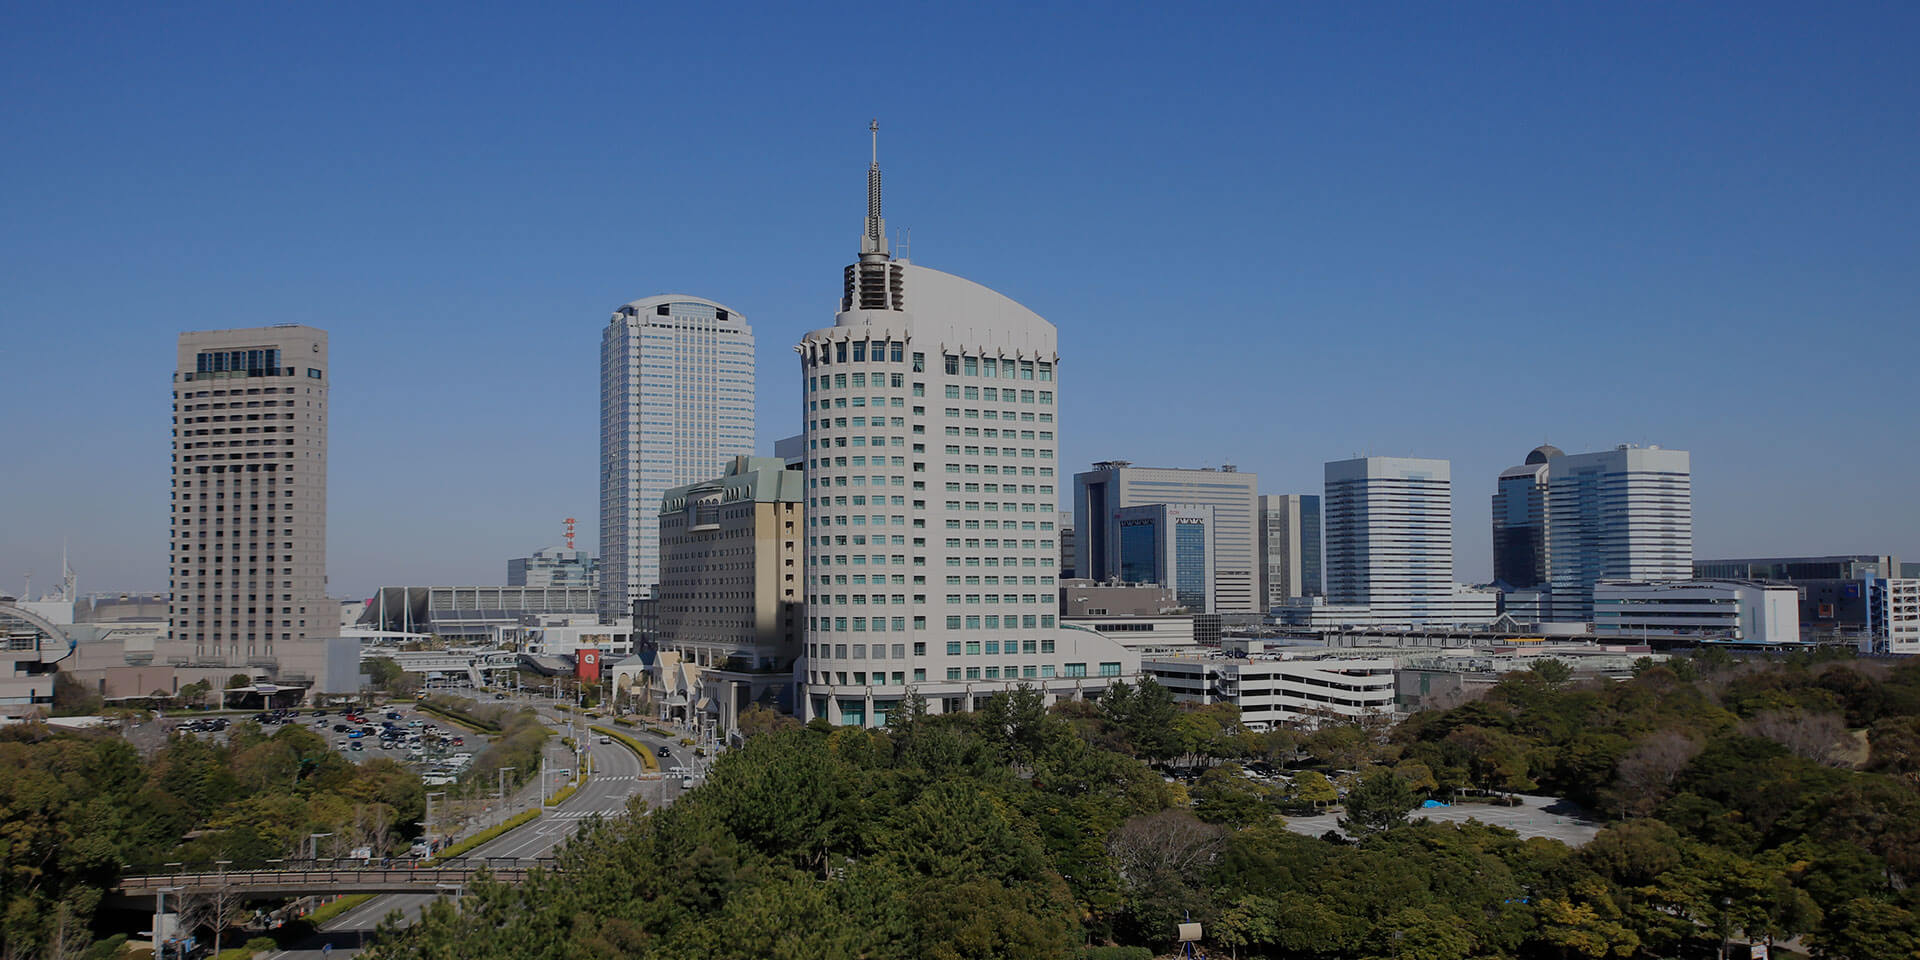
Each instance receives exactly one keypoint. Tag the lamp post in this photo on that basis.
(503, 790)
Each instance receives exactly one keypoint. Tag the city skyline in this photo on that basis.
(1422, 274)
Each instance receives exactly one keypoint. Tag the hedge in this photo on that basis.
(647, 760)
(461, 848)
(331, 910)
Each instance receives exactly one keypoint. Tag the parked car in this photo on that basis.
(606, 739)
(356, 734)
(355, 746)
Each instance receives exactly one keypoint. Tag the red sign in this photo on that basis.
(587, 664)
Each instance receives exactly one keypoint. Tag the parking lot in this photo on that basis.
(1535, 817)
(431, 747)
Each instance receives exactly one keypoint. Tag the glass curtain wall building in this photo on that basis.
(676, 405)
(1171, 545)
(1520, 523)
(1113, 485)
(1620, 514)
(1289, 547)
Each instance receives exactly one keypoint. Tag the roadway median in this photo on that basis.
(462, 847)
(648, 761)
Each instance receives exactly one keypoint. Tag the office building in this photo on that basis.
(1289, 547)
(932, 554)
(676, 404)
(1621, 514)
(1748, 611)
(1169, 544)
(1101, 493)
(554, 567)
(729, 597)
(1520, 522)
(1091, 598)
(248, 567)
(1389, 530)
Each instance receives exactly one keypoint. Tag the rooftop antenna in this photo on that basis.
(873, 246)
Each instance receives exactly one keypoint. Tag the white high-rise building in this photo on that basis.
(676, 406)
(1620, 514)
(249, 542)
(1389, 538)
(931, 548)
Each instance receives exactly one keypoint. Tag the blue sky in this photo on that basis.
(1270, 234)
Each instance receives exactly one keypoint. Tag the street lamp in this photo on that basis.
(313, 839)
(503, 789)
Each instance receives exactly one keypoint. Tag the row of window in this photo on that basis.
(994, 367)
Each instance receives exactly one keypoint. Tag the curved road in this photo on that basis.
(616, 779)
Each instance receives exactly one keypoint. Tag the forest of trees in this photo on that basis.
(1745, 801)
(79, 808)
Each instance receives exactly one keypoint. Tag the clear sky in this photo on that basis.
(1272, 235)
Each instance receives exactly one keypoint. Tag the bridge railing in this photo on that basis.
(329, 871)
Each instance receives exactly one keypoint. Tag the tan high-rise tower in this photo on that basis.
(248, 559)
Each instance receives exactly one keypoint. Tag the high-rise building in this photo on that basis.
(931, 541)
(676, 404)
(1099, 495)
(729, 597)
(1520, 522)
(1289, 547)
(249, 542)
(1171, 545)
(1390, 538)
(554, 567)
(1620, 514)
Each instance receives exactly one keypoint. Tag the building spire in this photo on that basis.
(873, 245)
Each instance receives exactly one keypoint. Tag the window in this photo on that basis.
(1076, 670)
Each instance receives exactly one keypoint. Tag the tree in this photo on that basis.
(1313, 787)
(1648, 771)
(1811, 735)
(1551, 671)
(1380, 803)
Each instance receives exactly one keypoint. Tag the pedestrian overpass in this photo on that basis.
(306, 878)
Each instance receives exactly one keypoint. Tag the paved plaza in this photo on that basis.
(1535, 817)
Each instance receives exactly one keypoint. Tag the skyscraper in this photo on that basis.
(1390, 538)
(1100, 493)
(1520, 522)
(931, 542)
(676, 405)
(249, 540)
(1289, 547)
(1621, 514)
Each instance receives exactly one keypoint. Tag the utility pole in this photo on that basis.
(503, 790)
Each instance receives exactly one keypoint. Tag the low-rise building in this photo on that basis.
(1289, 688)
(1893, 615)
(1744, 610)
(472, 613)
(554, 567)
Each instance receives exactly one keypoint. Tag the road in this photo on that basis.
(616, 778)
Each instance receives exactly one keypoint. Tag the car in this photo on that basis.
(319, 713)
(356, 734)
(606, 739)
(459, 741)
(341, 728)
(663, 751)
(355, 746)
(342, 744)
(393, 716)
(499, 696)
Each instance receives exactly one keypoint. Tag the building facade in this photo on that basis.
(1893, 615)
(1289, 547)
(1833, 589)
(1101, 493)
(1621, 514)
(676, 404)
(729, 597)
(1302, 690)
(1390, 539)
(1170, 544)
(931, 552)
(1745, 610)
(248, 567)
(1520, 522)
(554, 567)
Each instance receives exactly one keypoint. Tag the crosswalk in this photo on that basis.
(581, 814)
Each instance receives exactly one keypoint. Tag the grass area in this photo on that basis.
(337, 907)
(460, 849)
(648, 761)
(560, 795)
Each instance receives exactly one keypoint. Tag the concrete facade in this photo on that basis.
(1113, 485)
(676, 403)
(554, 567)
(1389, 536)
(1285, 689)
(930, 422)
(248, 552)
(730, 584)
(1746, 610)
